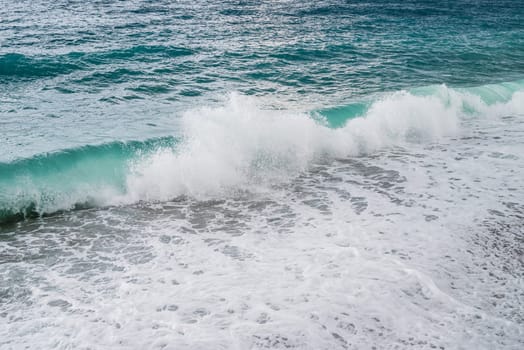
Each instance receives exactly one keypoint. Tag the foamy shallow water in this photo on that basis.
(415, 246)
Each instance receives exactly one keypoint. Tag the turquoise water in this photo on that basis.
(261, 174)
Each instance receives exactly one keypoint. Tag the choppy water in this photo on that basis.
(310, 175)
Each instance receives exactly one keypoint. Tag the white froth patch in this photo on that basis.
(227, 147)
(241, 146)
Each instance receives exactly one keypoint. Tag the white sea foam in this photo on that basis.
(240, 145)
(411, 247)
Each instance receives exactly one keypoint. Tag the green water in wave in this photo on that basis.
(71, 178)
(489, 94)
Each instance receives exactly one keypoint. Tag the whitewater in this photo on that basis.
(262, 175)
(239, 147)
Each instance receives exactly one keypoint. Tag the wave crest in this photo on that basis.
(240, 146)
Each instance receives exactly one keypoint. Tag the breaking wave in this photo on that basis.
(240, 146)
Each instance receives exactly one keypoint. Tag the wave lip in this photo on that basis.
(240, 147)
(75, 178)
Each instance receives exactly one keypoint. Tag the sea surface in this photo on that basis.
(262, 174)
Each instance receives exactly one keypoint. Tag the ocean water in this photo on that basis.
(262, 174)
